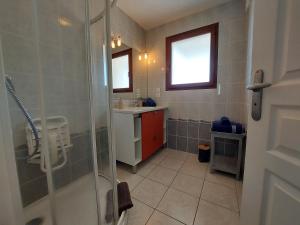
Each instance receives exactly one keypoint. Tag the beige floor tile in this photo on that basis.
(176, 154)
(239, 191)
(149, 192)
(162, 175)
(159, 218)
(220, 194)
(211, 214)
(122, 172)
(172, 163)
(145, 168)
(192, 157)
(158, 157)
(220, 178)
(132, 179)
(139, 214)
(188, 184)
(179, 205)
(195, 169)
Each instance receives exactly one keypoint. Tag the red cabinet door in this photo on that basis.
(159, 129)
(152, 132)
(148, 130)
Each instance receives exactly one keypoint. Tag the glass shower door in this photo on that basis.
(45, 53)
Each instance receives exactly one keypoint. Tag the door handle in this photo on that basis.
(257, 88)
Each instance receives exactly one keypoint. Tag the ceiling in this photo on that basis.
(153, 13)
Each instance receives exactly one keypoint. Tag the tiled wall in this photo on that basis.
(32, 39)
(185, 135)
(33, 181)
(206, 104)
(30, 43)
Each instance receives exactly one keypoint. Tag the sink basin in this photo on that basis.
(138, 109)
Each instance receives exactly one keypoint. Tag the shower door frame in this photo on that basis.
(10, 195)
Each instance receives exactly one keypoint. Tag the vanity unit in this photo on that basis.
(139, 133)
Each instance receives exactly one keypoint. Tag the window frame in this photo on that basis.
(213, 29)
(119, 54)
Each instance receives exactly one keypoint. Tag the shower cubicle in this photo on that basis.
(56, 158)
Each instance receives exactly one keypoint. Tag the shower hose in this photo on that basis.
(11, 90)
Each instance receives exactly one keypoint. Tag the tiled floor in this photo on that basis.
(173, 188)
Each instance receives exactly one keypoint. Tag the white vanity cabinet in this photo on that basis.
(138, 133)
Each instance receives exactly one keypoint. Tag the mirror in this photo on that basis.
(129, 74)
(122, 70)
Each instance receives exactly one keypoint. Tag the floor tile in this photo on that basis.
(175, 154)
(139, 214)
(192, 158)
(220, 194)
(211, 214)
(145, 168)
(188, 184)
(220, 178)
(159, 218)
(239, 191)
(158, 157)
(172, 163)
(179, 205)
(162, 175)
(149, 192)
(195, 169)
(132, 179)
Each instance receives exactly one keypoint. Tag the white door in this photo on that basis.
(272, 171)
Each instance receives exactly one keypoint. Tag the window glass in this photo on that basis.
(191, 60)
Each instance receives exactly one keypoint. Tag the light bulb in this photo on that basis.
(140, 57)
(154, 61)
(64, 22)
(119, 41)
(146, 56)
(113, 45)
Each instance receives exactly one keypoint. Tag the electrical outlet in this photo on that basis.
(138, 93)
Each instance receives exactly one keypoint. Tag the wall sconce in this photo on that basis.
(116, 41)
(113, 45)
(148, 58)
(119, 41)
(64, 22)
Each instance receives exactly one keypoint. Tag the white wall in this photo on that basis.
(205, 104)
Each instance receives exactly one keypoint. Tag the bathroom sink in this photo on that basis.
(135, 110)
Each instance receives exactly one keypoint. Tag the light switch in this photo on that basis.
(219, 89)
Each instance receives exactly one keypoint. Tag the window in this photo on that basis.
(192, 59)
(122, 71)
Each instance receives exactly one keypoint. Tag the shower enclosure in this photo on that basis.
(60, 169)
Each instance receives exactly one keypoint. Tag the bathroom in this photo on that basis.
(135, 133)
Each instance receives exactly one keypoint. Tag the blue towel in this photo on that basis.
(227, 126)
(149, 102)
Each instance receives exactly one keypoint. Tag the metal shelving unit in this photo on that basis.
(227, 151)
